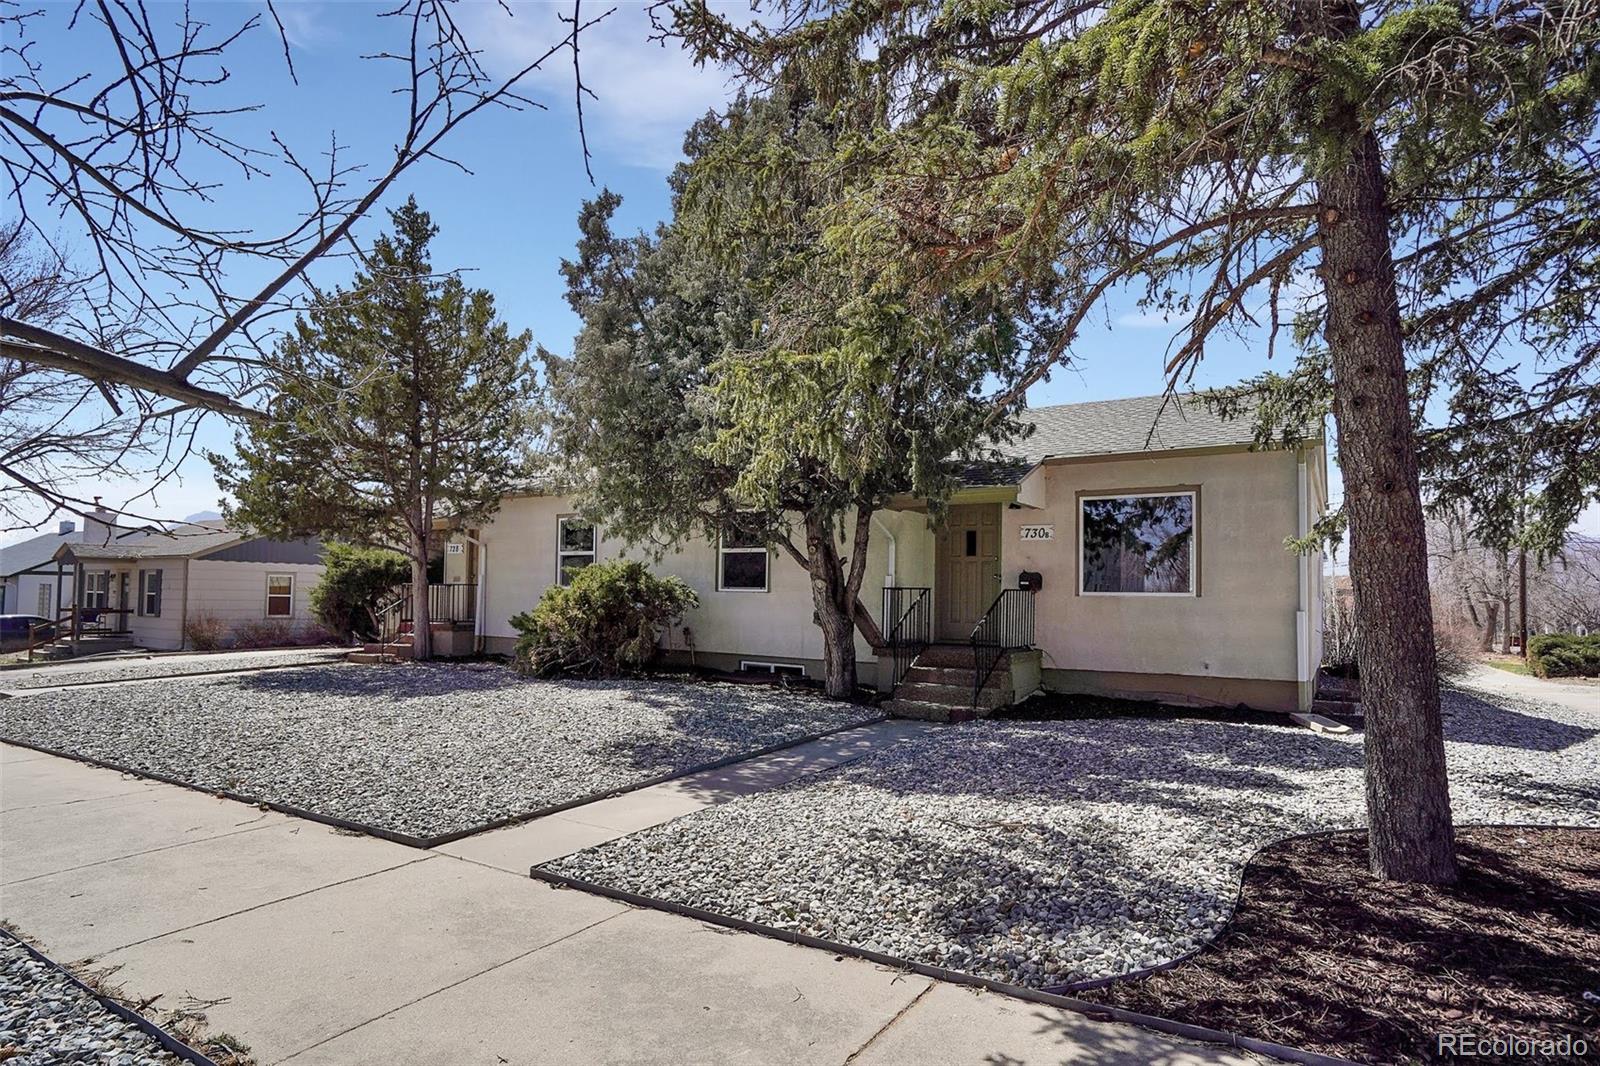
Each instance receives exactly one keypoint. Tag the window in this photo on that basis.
(150, 593)
(750, 666)
(1137, 544)
(44, 602)
(574, 547)
(280, 595)
(741, 563)
(97, 589)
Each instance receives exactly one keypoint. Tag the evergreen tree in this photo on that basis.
(1421, 176)
(686, 411)
(400, 400)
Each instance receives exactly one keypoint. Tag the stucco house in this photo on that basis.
(144, 585)
(1127, 547)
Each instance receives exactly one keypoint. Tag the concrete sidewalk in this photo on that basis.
(314, 946)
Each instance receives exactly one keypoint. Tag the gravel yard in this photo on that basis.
(46, 1019)
(1049, 852)
(419, 749)
(136, 669)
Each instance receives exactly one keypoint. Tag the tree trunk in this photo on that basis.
(1505, 633)
(1491, 625)
(421, 618)
(1408, 798)
(834, 616)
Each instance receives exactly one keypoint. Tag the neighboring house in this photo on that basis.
(149, 583)
(28, 569)
(1152, 531)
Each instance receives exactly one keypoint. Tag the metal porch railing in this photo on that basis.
(907, 627)
(1006, 626)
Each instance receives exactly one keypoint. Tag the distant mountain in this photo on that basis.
(202, 516)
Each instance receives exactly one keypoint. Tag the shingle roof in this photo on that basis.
(1111, 427)
(189, 539)
(33, 552)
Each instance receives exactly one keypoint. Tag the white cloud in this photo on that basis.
(648, 92)
(305, 22)
(1152, 320)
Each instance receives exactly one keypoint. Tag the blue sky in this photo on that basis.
(512, 220)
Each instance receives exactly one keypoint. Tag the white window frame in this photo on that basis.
(145, 592)
(91, 578)
(593, 555)
(776, 669)
(1194, 543)
(724, 551)
(267, 605)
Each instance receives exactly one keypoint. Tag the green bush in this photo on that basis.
(1564, 655)
(605, 623)
(354, 582)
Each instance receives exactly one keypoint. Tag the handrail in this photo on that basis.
(69, 622)
(1006, 625)
(908, 625)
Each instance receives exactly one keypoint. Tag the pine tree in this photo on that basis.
(400, 400)
(1414, 185)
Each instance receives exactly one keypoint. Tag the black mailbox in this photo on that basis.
(1030, 581)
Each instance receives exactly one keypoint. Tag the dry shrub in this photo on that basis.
(205, 631)
(264, 634)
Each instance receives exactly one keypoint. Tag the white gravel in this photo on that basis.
(138, 669)
(1048, 852)
(46, 1020)
(420, 749)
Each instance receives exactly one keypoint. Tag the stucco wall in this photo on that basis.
(772, 625)
(1241, 625)
(237, 592)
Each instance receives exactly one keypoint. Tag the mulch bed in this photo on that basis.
(1322, 956)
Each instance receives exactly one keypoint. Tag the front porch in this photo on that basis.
(962, 646)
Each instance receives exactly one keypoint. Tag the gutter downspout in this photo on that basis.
(889, 580)
(183, 609)
(1302, 615)
(481, 594)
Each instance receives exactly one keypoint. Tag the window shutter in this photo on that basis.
(139, 607)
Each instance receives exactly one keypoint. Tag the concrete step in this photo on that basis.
(1340, 708)
(920, 674)
(382, 651)
(957, 655)
(928, 712)
(956, 695)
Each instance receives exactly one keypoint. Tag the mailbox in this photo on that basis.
(1030, 581)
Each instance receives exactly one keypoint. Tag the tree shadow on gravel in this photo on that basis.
(1469, 719)
(1192, 771)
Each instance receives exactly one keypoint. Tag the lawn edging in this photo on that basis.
(425, 843)
(168, 1042)
(1093, 1011)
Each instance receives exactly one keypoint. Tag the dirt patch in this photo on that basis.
(1322, 956)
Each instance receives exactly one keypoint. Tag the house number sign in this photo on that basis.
(1038, 532)
(452, 549)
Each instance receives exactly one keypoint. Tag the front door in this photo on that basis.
(966, 568)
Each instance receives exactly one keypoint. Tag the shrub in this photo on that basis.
(204, 632)
(1564, 655)
(313, 633)
(1339, 636)
(264, 634)
(1455, 648)
(354, 582)
(606, 622)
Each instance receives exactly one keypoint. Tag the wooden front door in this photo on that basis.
(966, 568)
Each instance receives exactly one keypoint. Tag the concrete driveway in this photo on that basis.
(318, 947)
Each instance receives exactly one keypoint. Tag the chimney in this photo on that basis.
(67, 526)
(100, 524)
